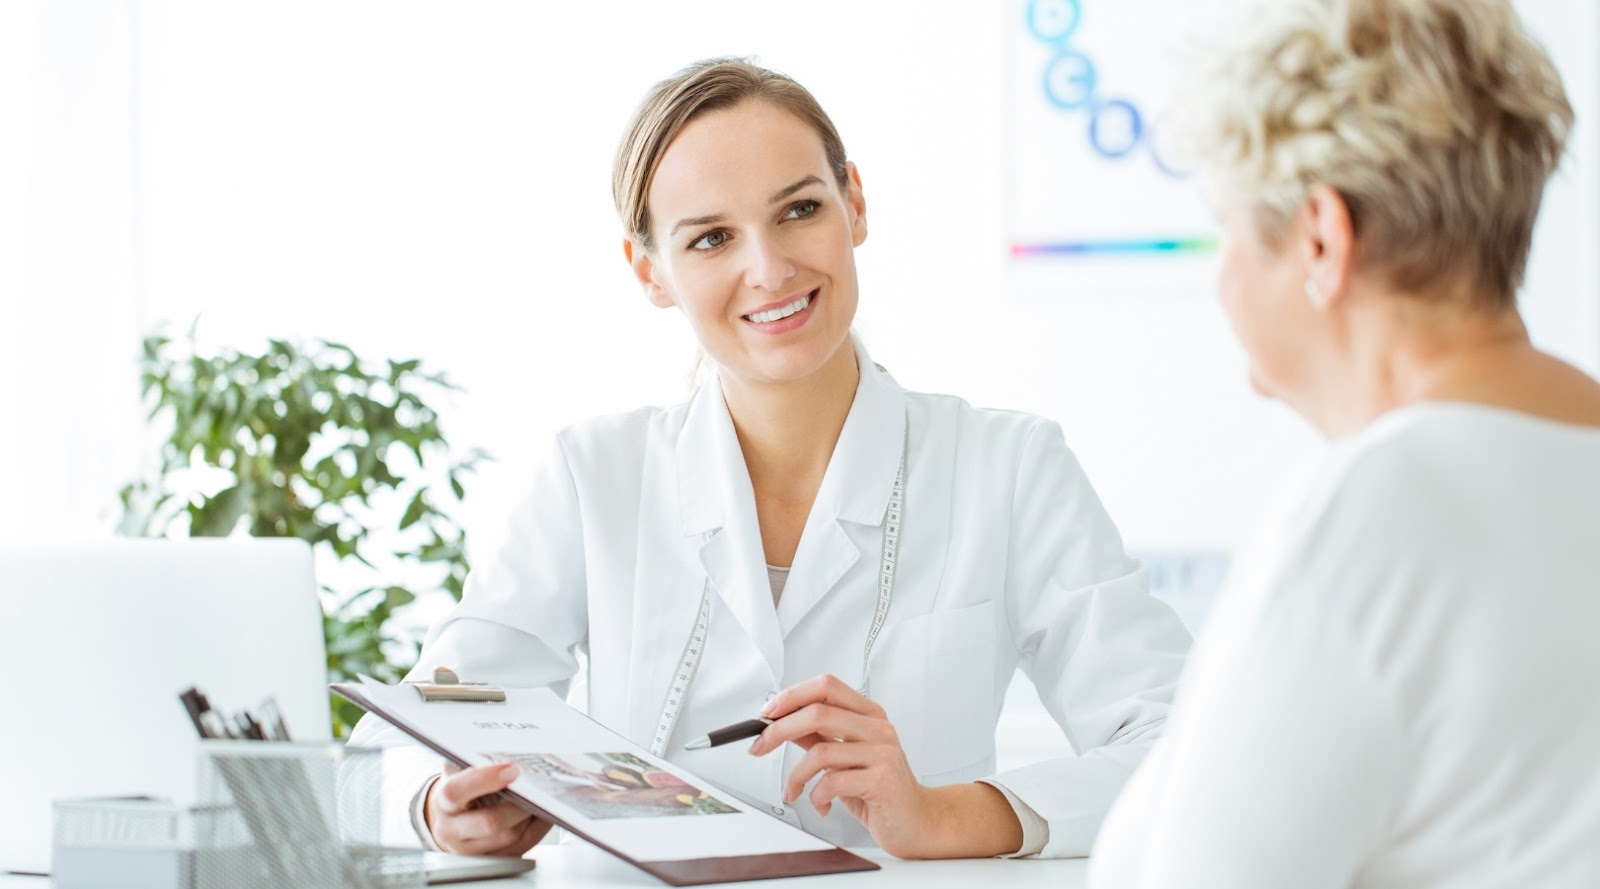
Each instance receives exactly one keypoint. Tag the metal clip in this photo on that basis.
(446, 686)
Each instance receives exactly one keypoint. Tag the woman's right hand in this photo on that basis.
(466, 818)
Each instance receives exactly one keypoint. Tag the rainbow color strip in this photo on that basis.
(1088, 248)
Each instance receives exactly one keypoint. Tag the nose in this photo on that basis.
(767, 268)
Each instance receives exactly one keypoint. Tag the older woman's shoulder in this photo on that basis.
(1446, 452)
(1426, 481)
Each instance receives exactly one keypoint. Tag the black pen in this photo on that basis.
(249, 729)
(728, 734)
(196, 704)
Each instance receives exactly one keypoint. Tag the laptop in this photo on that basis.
(101, 636)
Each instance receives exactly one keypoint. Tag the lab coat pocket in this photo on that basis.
(934, 676)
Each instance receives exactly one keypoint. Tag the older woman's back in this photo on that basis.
(1398, 688)
(1471, 546)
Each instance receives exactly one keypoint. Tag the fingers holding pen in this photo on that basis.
(818, 723)
(853, 757)
(834, 759)
(825, 689)
(819, 710)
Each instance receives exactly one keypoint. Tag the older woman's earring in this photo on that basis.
(1313, 290)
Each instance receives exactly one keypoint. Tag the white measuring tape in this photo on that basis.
(694, 649)
(688, 665)
(891, 547)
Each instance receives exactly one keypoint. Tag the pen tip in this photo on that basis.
(698, 744)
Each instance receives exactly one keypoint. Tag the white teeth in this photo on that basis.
(779, 314)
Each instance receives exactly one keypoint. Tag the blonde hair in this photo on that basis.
(1437, 121)
(706, 86)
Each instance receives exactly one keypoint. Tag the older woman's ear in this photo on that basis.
(1329, 245)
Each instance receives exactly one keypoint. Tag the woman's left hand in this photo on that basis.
(849, 741)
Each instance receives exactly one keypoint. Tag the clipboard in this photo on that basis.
(443, 725)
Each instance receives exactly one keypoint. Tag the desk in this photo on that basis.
(570, 866)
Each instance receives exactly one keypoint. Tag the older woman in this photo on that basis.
(1401, 684)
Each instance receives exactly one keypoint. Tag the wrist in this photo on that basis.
(968, 821)
(422, 815)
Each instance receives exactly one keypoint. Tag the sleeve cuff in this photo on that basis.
(1035, 830)
(419, 816)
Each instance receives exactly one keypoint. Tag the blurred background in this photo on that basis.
(425, 180)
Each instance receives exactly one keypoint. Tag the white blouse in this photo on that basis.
(1400, 685)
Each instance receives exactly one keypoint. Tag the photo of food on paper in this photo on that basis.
(614, 785)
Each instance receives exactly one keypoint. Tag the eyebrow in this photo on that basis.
(695, 221)
(785, 193)
(777, 196)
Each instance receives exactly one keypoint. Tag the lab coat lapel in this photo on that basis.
(855, 489)
(668, 583)
(719, 507)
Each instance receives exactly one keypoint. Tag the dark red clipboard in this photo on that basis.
(689, 872)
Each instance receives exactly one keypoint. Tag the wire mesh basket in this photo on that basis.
(268, 815)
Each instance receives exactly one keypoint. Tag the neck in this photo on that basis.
(787, 430)
(1400, 351)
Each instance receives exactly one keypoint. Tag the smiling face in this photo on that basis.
(754, 241)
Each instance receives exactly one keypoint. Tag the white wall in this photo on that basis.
(428, 181)
(68, 296)
(16, 108)
(1561, 296)
(431, 180)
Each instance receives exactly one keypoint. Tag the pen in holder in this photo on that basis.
(304, 815)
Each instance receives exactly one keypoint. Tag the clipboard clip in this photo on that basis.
(446, 686)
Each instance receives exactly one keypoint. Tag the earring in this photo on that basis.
(1313, 290)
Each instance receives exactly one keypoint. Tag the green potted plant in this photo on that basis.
(318, 444)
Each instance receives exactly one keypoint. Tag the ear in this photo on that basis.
(1330, 246)
(857, 201)
(644, 269)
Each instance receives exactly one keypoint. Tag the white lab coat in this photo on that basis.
(1006, 558)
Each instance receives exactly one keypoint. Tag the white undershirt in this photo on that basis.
(777, 577)
(1400, 684)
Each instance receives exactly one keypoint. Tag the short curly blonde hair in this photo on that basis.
(1437, 121)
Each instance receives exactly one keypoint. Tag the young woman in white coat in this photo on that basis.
(867, 564)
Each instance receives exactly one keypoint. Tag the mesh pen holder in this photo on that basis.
(268, 815)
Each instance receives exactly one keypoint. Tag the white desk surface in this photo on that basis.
(563, 866)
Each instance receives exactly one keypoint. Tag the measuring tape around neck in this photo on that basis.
(694, 649)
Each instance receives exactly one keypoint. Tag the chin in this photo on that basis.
(794, 361)
(787, 368)
(1260, 386)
